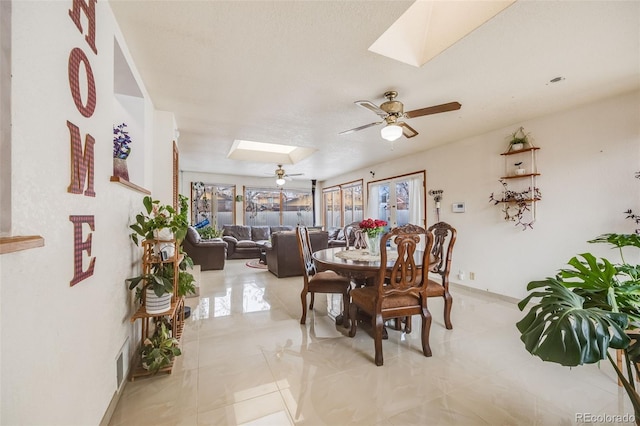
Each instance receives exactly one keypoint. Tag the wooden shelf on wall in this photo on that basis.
(130, 185)
(520, 176)
(17, 243)
(520, 151)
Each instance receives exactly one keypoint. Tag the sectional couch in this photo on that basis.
(246, 242)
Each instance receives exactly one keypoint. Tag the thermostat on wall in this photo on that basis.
(457, 207)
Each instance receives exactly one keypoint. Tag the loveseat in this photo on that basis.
(209, 254)
(283, 256)
(246, 242)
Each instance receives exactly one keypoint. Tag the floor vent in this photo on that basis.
(122, 364)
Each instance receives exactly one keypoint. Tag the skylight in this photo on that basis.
(267, 152)
(427, 28)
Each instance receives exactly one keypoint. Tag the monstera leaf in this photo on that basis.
(561, 329)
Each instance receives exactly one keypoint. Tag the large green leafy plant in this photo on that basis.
(586, 309)
(157, 216)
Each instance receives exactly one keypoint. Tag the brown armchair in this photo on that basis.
(209, 254)
(281, 255)
(399, 292)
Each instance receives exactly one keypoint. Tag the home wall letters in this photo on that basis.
(82, 161)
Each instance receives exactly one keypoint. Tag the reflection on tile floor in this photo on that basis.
(248, 361)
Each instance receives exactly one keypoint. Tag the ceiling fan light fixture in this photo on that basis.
(280, 181)
(391, 132)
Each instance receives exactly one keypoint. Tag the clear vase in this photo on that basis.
(373, 243)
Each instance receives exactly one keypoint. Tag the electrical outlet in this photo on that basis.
(472, 275)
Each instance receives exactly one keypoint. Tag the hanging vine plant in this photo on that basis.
(517, 204)
(631, 215)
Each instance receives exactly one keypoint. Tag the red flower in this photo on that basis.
(373, 227)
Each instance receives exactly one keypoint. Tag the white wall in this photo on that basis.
(587, 162)
(164, 131)
(60, 343)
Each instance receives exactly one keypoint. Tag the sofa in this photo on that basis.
(283, 256)
(246, 242)
(209, 254)
(337, 236)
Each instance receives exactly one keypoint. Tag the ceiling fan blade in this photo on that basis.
(372, 107)
(407, 130)
(294, 174)
(346, 132)
(436, 109)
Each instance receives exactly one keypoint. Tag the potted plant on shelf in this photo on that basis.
(121, 151)
(159, 350)
(516, 204)
(518, 140)
(158, 221)
(587, 309)
(157, 288)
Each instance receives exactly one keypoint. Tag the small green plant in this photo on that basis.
(519, 136)
(159, 350)
(208, 232)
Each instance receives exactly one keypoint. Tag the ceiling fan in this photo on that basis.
(392, 111)
(282, 176)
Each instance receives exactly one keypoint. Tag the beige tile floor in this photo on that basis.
(248, 361)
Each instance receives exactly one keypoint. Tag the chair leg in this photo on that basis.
(345, 309)
(448, 302)
(312, 300)
(377, 324)
(397, 323)
(426, 328)
(407, 325)
(353, 314)
(303, 298)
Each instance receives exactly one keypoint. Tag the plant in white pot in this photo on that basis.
(157, 287)
(159, 221)
(519, 139)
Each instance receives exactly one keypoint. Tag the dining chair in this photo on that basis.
(400, 291)
(444, 238)
(319, 282)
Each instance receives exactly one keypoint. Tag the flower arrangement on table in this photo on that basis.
(121, 141)
(373, 227)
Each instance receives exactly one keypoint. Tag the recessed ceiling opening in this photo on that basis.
(428, 28)
(268, 152)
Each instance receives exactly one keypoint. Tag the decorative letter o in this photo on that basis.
(77, 56)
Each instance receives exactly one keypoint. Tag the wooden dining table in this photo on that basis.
(356, 264)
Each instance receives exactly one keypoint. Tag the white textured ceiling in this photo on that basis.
(288, 72)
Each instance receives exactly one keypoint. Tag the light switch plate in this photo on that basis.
(457, 207)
